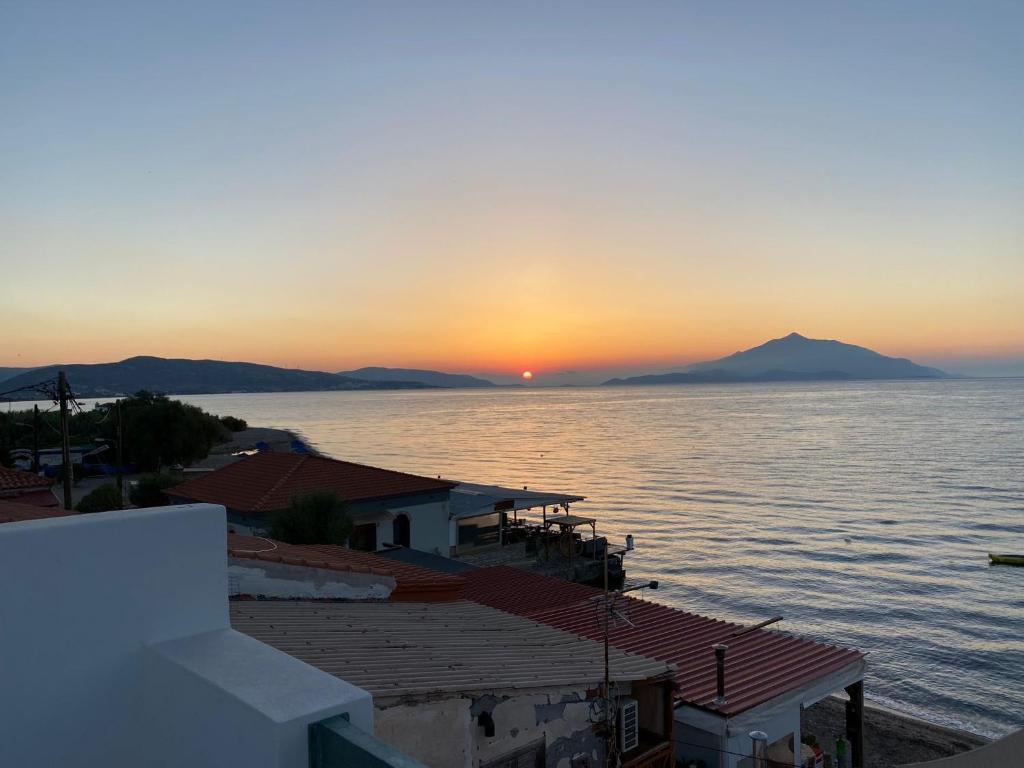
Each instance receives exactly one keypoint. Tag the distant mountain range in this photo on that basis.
(430, 378)
(194, 377)
(793, 358)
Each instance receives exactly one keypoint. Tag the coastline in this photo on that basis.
(246, 440)
(891, 738)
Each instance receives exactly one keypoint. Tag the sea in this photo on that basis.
(862, 512)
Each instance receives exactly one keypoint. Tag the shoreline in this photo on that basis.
(891, 738)
(278, 440)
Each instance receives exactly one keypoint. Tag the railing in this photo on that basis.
(336, 743)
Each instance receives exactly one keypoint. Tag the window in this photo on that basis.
(400, 534)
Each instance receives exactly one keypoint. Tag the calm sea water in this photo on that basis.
(861, 512)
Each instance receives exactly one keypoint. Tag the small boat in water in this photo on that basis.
(1005, 559)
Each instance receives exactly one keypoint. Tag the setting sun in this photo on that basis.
(527, 375)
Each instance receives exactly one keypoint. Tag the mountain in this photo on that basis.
(10, 373)
(794, 358)
(194, 377)
(430, 378)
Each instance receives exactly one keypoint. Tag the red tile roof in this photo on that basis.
(413, 584)
(15, 511)
(267, 482)
(760, 664)
(20, 480)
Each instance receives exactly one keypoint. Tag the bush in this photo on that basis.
(234, 423)
(149, 490)
(318, 517)
(102, 499)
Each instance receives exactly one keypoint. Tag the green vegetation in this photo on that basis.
(102, 499)
(234, 423)
(318, 517)
(156, 431)
(149, 490)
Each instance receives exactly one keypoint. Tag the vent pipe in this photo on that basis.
(759, 748)
(720, 671)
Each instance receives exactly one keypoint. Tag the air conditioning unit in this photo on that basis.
(629, 725)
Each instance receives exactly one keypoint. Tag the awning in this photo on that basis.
(572, 520)
(475, 499)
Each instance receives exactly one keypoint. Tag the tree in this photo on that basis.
(159, 431)
(149, 490)
(317, 517)
(102, 499)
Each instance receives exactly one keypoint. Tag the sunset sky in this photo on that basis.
(493, 187)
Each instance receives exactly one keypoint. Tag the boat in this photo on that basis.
(995, 559)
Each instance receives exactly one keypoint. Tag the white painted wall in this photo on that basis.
(87, 677)
(428, 531)
(227, 699)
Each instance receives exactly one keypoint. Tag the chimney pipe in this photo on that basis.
(759, 748)
(720, 650)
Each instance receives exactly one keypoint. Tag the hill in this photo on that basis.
(794, 358)
(430, 378)
(10, 373)
(194, 377)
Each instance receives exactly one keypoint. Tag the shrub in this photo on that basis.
(234, 423)
(102, 499)
(149, 490)
(318, 517)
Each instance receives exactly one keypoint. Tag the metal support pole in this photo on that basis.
(607, 674)
(62, 392)
(120, 457)
(35, 438)
(759, 748)
(855, 723)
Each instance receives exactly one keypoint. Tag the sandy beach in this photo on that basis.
(890, 739)
(279, 440)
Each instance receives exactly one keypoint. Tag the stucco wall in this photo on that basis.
(447, 734)
(227, 699)
(428, 530)
(83, 595)
(89, 599)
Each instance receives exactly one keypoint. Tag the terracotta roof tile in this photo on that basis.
(267, 482)
(413, 584)
(20, 480)
(760, 664)
(15, 512)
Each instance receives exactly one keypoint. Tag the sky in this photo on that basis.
(495, 187)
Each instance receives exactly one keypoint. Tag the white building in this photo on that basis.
(116, 650)
(387, 507)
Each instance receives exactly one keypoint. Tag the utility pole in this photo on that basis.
(120, 469)
(35, 438)
(62, 392)
(607, 611)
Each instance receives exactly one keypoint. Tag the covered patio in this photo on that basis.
(529, 525)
